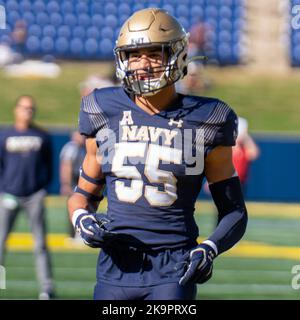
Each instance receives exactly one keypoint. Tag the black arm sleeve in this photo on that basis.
(233, 217)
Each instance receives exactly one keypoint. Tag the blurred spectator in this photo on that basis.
(7, 55)
(95, 81)
(244, 151)
(71, 158)
(194, 82)
(19, 36)
(25, 172)
(197, 39)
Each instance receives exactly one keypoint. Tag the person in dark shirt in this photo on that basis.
(25, 172)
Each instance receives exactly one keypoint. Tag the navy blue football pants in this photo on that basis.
(167, 291)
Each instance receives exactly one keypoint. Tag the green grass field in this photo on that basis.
(242, 274)
(270, 101)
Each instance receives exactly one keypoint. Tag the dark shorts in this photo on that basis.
(168, 291)
(128, 272)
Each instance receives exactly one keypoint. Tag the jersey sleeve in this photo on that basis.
(91, 116)
(227, 133)
(223, 127)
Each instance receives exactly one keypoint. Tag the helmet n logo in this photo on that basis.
(139, 40)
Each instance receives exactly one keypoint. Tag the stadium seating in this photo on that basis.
(86, 29)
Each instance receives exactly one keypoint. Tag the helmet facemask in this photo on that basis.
(173, 67)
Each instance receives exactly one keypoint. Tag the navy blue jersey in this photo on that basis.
(25, 161)
(153, 164)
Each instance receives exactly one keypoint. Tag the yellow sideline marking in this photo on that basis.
(258, 209)
(60, 243)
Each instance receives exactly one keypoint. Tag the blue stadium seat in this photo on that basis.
(225, 36)
(225, 51)
(67, 7)
(239, 24)
(38, 6)
(124, 9)
(225, 12)
(225, 24)
(56, 19)
(93, 32)
(138, 6)
(29, 18)
(91, 47)
(117, 34)
(53, 7)
(33, 44)
(82, 7)
(197, 12)
(210, 36)
(25, 5)
(91, 27)
(110, 8)
(12, 17)
(182, 11)
(35, 30)
(122, 19)
(76, 46)
(47, 45)
(5, 38)
(70, 20)
(11, 5)
(227, 3)
(83, 20)
(61, 46)
(106, 47)
(98, 20)
(212, 23)
(153, 4)
(111, 21)
(49, 31)
(97, 7)
(79, 32)
(42, 19)
(211, 11)
(64, 31)
(186, 2)
(107, 32)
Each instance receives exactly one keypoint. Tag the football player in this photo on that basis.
(137, 146)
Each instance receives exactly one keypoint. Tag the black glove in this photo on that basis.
(91, 227)
(200, 265)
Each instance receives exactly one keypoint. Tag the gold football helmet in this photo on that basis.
(151, 28)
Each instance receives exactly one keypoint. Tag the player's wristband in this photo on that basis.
(76, 214)
(211, 244)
